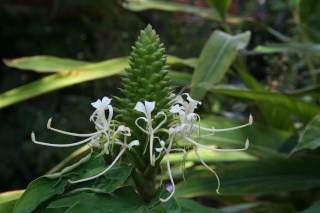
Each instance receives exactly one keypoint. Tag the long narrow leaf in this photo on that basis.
(304, 111)
(215, 59)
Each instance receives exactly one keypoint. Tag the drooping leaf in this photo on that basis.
(215, 59)
(45, 63)
(221, 6)
(266, 176)
(310, 138)
(67, 75)
(209, 13)
(285, 47)
(304, 111)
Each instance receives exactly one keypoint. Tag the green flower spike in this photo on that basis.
(148, 98)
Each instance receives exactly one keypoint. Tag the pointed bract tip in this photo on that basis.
(250, 119)
(49, 123)
(247, 144)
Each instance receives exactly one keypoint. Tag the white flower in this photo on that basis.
(125, 131)
(188, 124)
(147, 109)
(98, 117)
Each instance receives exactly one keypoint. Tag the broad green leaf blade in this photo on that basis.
(122, 200)
(286, 47)
(221, 6)
(63, 79)
(43, 189)
(7, 207)
(194, 206)
(209, 13)
(156, 205)
(44, 64)
(215, 59)
(266, 176)
(310, 138)
(304, 111)
(313, 208)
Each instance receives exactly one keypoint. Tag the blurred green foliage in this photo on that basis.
(277, 80)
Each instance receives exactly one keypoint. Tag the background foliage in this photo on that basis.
(272, 70)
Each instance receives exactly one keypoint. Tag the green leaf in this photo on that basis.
(43, 190)
(215, 59)
(8, 206)
(310, 138)
(313, 208)
(313, 91)
(266, 176)
(63, 79)
(209, 13)
(194, 206)
(122, 200)
(286, 47)
(304, 111)
(221, 6)
(11, 195)
(156, 205)
(69, 74)
(44, 63)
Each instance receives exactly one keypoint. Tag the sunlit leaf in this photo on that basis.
(286, 47)
(270, 175)
(44, 64)
(209, 13)
(215, 59)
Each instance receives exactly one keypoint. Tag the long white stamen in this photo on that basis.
(33, 138)
(103, 172)
(143, 130)
(171, 179)
(71, 133)
(201, 160)
(227, 129)
(218, 150)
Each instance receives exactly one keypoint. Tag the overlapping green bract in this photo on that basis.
(147, 79)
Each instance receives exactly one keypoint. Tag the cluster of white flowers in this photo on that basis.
(108, 131)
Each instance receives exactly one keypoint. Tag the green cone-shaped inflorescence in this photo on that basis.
(147, 81)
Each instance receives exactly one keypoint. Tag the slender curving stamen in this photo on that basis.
(101, 173)
(218, 150)
(228, 129)
(211, 170)
(71, 133)
(33, 138)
